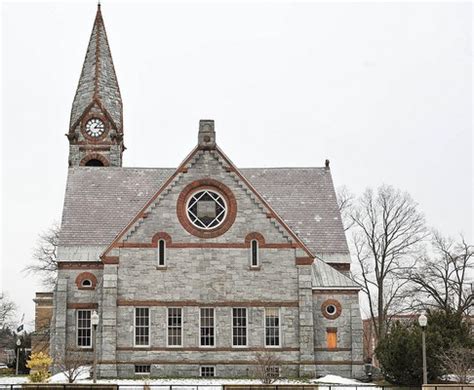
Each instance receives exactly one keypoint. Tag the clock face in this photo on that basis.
(95, 128)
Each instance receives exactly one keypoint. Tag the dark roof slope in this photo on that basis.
(100, 202)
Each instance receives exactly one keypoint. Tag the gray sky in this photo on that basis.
(381, 89)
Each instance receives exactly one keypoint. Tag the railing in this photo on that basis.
(314, 386)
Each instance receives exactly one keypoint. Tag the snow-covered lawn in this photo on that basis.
(192, 383)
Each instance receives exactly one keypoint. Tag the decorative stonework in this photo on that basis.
(83, 277)
(331, 309)
(94, 156)
(214, 185)
(255, 236)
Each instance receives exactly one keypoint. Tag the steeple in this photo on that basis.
(96, 125)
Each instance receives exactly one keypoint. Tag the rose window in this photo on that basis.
(206, 209)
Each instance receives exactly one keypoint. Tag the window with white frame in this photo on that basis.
(142, 369)
(208, 371)
(272, 327)
(142, 326)
(175, 326)
(254, 253)
(239, 326)
(161, 253)
(207, 330)
(84, 328)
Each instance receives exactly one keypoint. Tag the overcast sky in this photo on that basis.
(383, 90)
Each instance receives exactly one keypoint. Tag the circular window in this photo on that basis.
(331, 309)
(206, 209)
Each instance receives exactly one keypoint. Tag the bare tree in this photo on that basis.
(7, 310)
(267, 367)
(345, 203)
(388, 229)
(442, 280)
(72, 363)
(458, 362)
(44, 262)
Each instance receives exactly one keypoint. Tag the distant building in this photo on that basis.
(43, 313)
(194, 270)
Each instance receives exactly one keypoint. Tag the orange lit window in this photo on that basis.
(331, 336)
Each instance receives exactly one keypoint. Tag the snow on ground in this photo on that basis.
(61, 377)
(339, 380)
(331, 382)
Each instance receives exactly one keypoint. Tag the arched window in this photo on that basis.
(94, 163)
(86, 283)
(161, 253)
(254, 253)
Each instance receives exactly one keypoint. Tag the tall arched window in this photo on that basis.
(254, 261)
(161, 253)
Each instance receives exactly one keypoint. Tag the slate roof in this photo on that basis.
(100, 202)
(324, 276)
(98, 79)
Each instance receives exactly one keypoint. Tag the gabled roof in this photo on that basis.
(100, 202)
(98, 82)
(323, 276)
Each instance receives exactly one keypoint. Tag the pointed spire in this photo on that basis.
(98, 82)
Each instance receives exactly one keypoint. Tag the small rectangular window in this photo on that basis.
(142, 369)
(208, 371)
(175, 326)
(239, 327)
(331, 336)
(207, 327)
(84, 328)
(272, 372)
(161, 253)
(142, 326)
(272, 327)
(254, 253)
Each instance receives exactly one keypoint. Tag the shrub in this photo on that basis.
(39, 367)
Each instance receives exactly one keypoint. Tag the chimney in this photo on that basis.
(207, 135)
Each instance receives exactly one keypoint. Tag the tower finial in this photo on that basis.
(98, 5)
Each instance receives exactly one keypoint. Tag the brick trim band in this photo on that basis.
(124, 302)
(80, 265)
(236, 362)
(211, 185)
(89, 305)
(208, 349)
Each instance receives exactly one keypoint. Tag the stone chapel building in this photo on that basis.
(194, 270)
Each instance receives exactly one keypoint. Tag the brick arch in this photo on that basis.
(86, 276)
(336, 304)
(161, 236)
(211, 185)
(254, 236)
(94, 156)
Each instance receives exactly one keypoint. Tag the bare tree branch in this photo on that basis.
(443, 279)
(44, 263)
(388, 230)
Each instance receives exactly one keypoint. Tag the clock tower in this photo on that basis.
(96, 126)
